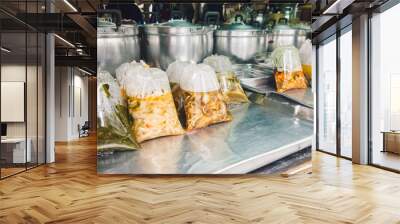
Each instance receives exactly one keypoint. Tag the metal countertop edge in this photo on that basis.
(253, 163)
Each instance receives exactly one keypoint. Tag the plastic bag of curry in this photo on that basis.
(150, 103)
(289, 73)
(229, 84)
(113, 120)
(204, 104)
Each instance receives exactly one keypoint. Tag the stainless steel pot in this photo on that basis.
(286, 35)
(240, 42)
(176, 40)
(116, 45)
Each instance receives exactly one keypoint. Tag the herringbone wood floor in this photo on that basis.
(70, 191)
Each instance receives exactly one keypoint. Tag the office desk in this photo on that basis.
(13, 150)
(391, 141)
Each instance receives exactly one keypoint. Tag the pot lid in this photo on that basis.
(179, 23)
(105, 22)
(302, 26)
(106, 28)
(282, 27)
(238, 26)
(176, 27)
(239, 30)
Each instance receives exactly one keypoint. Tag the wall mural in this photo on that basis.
(221, 88)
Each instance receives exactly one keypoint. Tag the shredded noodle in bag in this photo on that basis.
(151, 104)
(289, 73)
(229, 84)
(204, 104)
(113, 120)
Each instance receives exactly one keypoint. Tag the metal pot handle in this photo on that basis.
(209, 16)
(197, 29)
(177, 14)
(285, 21)
(237, 16)
(116, 15)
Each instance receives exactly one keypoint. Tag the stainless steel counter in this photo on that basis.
(259, 134)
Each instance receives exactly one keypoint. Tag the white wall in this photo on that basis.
(70, 83)
(12, 73)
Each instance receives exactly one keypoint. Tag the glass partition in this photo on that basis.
(14, 153)
(385, 90)
(22, 88)
(346, 93)
(327, 96)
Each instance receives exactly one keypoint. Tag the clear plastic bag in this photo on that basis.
(113, 120)
(289, 73)
(306, 58)
(122, 74)
(229, 84)
(203, 102)
(151, 104)
(175, 72)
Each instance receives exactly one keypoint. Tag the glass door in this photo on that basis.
(326, 94)
(346, 92)
(22, 78)
(385, 90)
(14, 153)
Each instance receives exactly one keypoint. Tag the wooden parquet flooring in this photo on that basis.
(70, 191)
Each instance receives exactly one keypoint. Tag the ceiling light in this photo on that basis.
(337, 7)
(84, 71)
(5, 50)
(70, 5)
(65, 41)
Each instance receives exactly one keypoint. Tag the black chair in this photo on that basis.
(84, 130)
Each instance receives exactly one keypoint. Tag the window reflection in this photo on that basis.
(327, 96)
(346, 94)
(385, 84)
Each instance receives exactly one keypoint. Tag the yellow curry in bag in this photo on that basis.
(230, 87)
(151, 105)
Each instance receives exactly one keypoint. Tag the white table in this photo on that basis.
(18, 144)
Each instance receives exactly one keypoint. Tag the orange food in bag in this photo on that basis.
(290, 80)
(151, 105)
(289, 73)
(205, 108)
(203, 102)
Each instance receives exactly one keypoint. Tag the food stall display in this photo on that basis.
(289, 73)
(229, 83)
(151, 105)
(114, 123)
